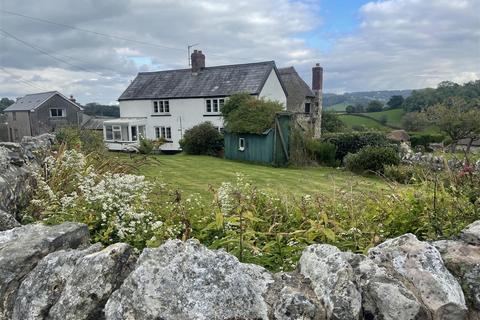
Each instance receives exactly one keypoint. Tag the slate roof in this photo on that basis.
(33, 101)
(209, 82)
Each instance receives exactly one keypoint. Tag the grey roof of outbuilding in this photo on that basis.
(33, 101)
(294, 83)
(209, 82)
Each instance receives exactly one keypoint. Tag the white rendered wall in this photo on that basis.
(272, 90)
(184, 114)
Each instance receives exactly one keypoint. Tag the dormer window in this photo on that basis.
(161, 106)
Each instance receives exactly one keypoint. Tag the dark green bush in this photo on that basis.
(371, 158)
(351, 142)
(424, 139)
(203, 138)
(323, 152)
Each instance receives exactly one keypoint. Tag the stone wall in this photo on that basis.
(54, 272)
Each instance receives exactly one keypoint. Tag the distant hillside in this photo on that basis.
(339, 101)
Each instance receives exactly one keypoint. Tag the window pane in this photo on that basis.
(108, 132)
(157, 132)
(215, 105)
(166, 106)
(155, 106)
(60, 112)
(209, 105)
(163, 132)
(169, 133)
(307, 107)
(117, 135)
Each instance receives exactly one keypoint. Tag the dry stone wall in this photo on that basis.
(54, 272)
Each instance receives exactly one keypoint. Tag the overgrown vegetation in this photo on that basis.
(87, 141)
(203, 138)
(255, 225)
(352, 142)
(371, 159)
(243, 113)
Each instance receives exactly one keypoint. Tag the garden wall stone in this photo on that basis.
(52, 272)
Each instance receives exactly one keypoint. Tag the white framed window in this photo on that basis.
(117, 133)
(163, 132)
(108, 133)
(241, 144)
(57, 113)
(214, 105)
(220, 129)
(161, 106)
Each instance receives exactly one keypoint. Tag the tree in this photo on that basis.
(5, 103)
(374, 106)
(96, 109)
(395, 102)
(359, 108)
(234, 102)
(203, 138)
(457, 118)
(331, 122)
(414, 121)
(350, 109)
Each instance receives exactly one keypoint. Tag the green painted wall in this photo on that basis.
(261, 148)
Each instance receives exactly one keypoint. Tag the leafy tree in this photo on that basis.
(414, 121)
(350, 109)
(457, 118)
(374, 106)
(203, 138)
(96, 109)
(249, 114)
(395, 102)
(5, 103)
(331, 122)
(359, 108)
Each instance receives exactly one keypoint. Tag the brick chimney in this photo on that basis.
(317, 78)
(317, 87)
(198, 61)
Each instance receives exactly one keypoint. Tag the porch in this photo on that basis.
(123, 133)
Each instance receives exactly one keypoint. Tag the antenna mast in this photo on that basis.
(188, 49)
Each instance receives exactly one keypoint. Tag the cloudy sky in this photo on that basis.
(94, 48)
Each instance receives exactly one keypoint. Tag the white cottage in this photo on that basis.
(164, 104)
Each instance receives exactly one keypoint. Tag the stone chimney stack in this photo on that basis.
(198, 61)
(72, 98)
(317, 87)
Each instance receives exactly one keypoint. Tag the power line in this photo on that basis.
(110, 35)
(8, 34)
(20, 79)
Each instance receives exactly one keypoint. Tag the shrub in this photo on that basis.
(331, 122)
(202, 139)
(374, 106)
(146, 146)
(371, 158)
(351, 142)
(404, 174)
(424, 139)
(86, 140)
(322, 152)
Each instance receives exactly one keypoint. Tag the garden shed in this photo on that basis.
(271, 147)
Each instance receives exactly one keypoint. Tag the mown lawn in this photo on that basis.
(194, 174)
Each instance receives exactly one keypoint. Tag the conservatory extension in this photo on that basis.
(123, 133)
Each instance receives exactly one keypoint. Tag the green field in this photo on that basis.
(352, 121)
(194, 174)
(394, 117)
(339, 107)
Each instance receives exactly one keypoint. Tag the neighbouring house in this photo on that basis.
(94, 123)
(39, 113)
(304, 102)
(271, 147)
(164, 104)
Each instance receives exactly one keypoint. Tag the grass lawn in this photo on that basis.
(351, 121)
(194, 174)
(394, 117)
